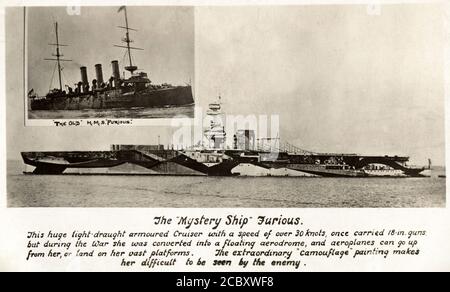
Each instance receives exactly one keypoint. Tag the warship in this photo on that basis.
(136, 91)
(247, 156)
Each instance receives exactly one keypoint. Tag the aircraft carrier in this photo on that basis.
(136, 91)
(247, 157)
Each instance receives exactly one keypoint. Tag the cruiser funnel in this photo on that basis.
(115, 70)
(99, 74)
(84, 78)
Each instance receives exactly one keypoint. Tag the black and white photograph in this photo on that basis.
(327, 106)
(109, 62)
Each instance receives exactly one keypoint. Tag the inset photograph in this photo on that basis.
(109, 62)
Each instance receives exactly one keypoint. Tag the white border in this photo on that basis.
(15, 221)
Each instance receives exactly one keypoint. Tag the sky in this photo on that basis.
(340, 79)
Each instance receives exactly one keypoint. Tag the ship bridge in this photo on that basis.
(141, 77)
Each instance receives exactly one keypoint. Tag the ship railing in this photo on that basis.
(294, 150)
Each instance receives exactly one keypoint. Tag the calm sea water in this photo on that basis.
(134, 113)
(189, 191)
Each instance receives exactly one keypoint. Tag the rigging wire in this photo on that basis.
(123, 58)
(133, 60)
(51, 80)
(64, 78)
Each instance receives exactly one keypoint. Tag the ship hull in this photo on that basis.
(146, 160)
(111, 99)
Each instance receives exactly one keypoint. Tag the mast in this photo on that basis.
(58, 55)
(127, 40)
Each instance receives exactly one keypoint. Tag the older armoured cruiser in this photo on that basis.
(213, 157)
(116, 92)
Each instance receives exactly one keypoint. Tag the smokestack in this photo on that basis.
(99, 74)
(115, 71)
(84, 78)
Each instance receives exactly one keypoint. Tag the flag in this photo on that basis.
(121, 8)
